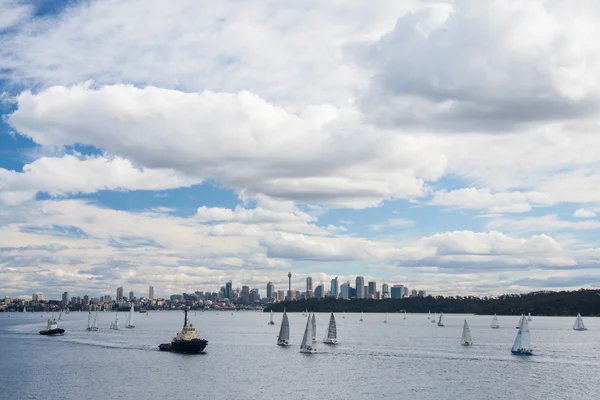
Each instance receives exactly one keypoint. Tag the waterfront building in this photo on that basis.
(309, 287)
(385, 291)
(270, 290)
(371, 290)
(151, 292)
(281, 295)
(119, 293)
(345, 290)
(397, 291)
(334, 288)
(320, 291)
(360, 287)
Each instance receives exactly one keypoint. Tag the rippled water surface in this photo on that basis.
(410, 358)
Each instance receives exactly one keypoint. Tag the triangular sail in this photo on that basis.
(95, 324)
(89, 325)
(271, 317)
(284, 330)
(579, 326)
(130, 317)
(523, 340)
(467, 339)
(313, 327)
(440, 323)
(331, 329)
(307, 335)
(495, 322)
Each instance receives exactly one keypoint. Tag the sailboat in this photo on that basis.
(440, 323)
(130, 318)
(520, 320)
(494, 324)
(522, 345)
(385, 320)
(308, 345)
(115, 325)
(404, 314)
(434, 318)
(284, 332)
(466, 340)
(429, 315)
(271, 321)
(361, 316)
(578, 326)
(331, 336)
(529, 317)
(89, 325)
(344, 315)
(313, 327)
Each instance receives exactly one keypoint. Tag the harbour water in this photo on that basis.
(405, 358)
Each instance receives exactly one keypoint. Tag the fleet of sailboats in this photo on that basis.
(331, 335)
(522, 344)
(130, 319)
(284, 331)
(494, 324)
(467, 339)
(578, 325)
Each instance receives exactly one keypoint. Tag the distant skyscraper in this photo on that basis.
(320, 291)
(360, 287)
(120, 293)
(270, 290)
(281, 295)
(397, 291)
(228, 289)
(131, 295)
(404, 291)
(385, 291)
(151, 292)
(244, 297)
(289, 296)
(372, 290)
(334, 288)
(86, 300)
(309, 287)
(421, 293)
(413, 293)
(65, 297)
(345, 290)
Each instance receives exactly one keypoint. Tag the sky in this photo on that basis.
(450, 146)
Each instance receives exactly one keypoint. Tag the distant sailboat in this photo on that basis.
(115, 325)
(495, 323)
(520, 320)
(385, 320)
(308, 345)
(429, 315)
(579, 326)
(522, 345)
(466, 340)
(361, 316)
(313, 328)
(92, 326)
(440, 323)
(284, 332)
(331, 335)
(344, 315)
(404, 314)
(434, 318)
(130, 318)
(529, 317)
(271, 321)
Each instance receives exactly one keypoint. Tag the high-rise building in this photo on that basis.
(228, 289)
(281, 295)
(65, 298)
(131, 295)
(397, 291)
(86, 300)
(404, 291)
(151, 292)
(120, 293)
(320, 291)
(360, 287)
(421, 293)
(244, 296)
(37, 297)
(309, 287)
(413, 293)
(254, 296)
(372, 290)
(270, 290)
(385, 291)
(334, 288)
(345, 290)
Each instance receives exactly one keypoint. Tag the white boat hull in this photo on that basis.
(283, 343)
(330, 341)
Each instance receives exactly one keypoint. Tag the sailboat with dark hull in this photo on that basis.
(187, 341)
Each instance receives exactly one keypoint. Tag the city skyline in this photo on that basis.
(376, 140)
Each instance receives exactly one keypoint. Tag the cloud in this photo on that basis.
(324, 156)
(69, 175)
(506, 202)
(546, 223)
(393, 223)
(584, 213)
(13, 12)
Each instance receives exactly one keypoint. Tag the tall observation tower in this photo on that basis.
(289, 286)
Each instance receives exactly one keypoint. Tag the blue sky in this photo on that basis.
(199, 143)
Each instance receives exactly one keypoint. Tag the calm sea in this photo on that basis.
(403, 359)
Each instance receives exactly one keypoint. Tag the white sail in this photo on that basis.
(494, 324)
(331, 335)
(385, 320)
(284, 331)
(115, 325)
(271, 321)
(306, 345)
(522, 342)
(579, 326)
(89, 325)
(467, 339)
(440, 323)
(404, 314)
(95, 324)
(434, 317)
(429, 315)
(520, 320)
(529, 317)
(130, 318)
(314, 329)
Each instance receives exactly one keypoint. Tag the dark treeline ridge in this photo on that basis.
(586, 302)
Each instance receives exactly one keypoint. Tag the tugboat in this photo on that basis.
(186, 341)
(52, 329)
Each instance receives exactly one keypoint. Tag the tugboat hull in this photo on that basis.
(187, 347)
(52, 332)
